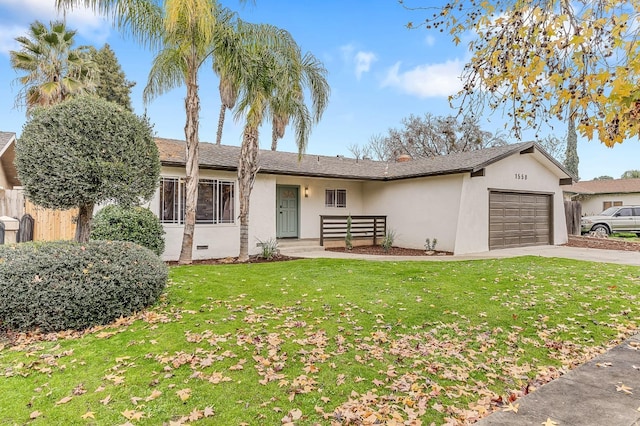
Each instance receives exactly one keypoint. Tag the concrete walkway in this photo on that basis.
(602, 392)
(588, 254)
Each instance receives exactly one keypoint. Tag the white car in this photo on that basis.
(614, 219)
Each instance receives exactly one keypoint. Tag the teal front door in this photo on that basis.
(287, 212)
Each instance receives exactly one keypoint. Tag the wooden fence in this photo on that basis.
(11, 203)
(573, 213)
(49, 225)
(365, 230)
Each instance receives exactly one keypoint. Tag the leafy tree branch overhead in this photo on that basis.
(545, 59)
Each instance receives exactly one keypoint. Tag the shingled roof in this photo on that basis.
(606, 186)
(5, 138)
(225, 157)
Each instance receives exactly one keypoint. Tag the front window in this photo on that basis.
(607, 204)
(335, 198)
(216, 200)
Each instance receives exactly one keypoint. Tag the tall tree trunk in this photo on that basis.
(571, 159)
(83, 224)
(274, 138)
(223, 110)
(247, 169)
(192, 107)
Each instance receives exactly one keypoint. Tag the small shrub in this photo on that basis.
(348, 239)
(62, 285)
(387, 241)
(135, 224)
(269, 248)
(430, 245)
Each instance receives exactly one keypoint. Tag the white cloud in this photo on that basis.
(17, 15)
(360, 60)
(363, 62)
(7, 37)
(427, 81)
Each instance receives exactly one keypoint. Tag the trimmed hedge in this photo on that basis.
(60, 285)
(135, 224)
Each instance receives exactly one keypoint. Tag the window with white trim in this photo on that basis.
(216, 201)
(335, 198)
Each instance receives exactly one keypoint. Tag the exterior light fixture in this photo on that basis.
(306, 191)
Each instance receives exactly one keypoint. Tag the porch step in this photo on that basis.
(292, 246)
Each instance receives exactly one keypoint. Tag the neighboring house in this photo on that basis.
(507, 196)
(596, 196)
(8, 173)
(49, 224)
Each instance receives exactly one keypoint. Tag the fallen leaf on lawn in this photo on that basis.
(624, 388)
(195, 415)
(325, 399)
(511, 407)
(79, 390)
(106, 400)
(132, 414)
(88, 415)
(549, 422)
(35, 415)
(64, 400)
(208, 412)
(295, 414)
(184, 394)
(154, 394)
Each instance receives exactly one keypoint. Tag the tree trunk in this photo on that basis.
(223, 110)
(274, 138)
(247, 169)
(571, 160)
(192, 107)
(83, 224)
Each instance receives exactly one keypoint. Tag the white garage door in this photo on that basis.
(519, 219)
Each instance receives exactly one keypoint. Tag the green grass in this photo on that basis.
(316, 341)
(626, 236)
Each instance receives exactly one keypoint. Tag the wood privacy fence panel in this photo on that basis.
(573, 213)
(11, 203)
(370, 228)
(51, 225)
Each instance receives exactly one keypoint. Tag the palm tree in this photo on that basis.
(54, 69)
(269, 87)
(308, 73)
(185, 32)
(188, 42)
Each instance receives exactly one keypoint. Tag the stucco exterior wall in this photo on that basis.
(454, 208)
(593, 205)
(313, 206)
(518, 173)
(417, 209)
(215, 241)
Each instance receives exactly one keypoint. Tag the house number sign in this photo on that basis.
(520, 176)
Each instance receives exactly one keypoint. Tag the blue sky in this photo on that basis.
(379, 73)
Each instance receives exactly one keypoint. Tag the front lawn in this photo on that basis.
(328, 342)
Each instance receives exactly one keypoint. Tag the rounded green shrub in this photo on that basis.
(135, 224)
(61, 285)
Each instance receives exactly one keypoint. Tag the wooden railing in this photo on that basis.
(362, 227)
